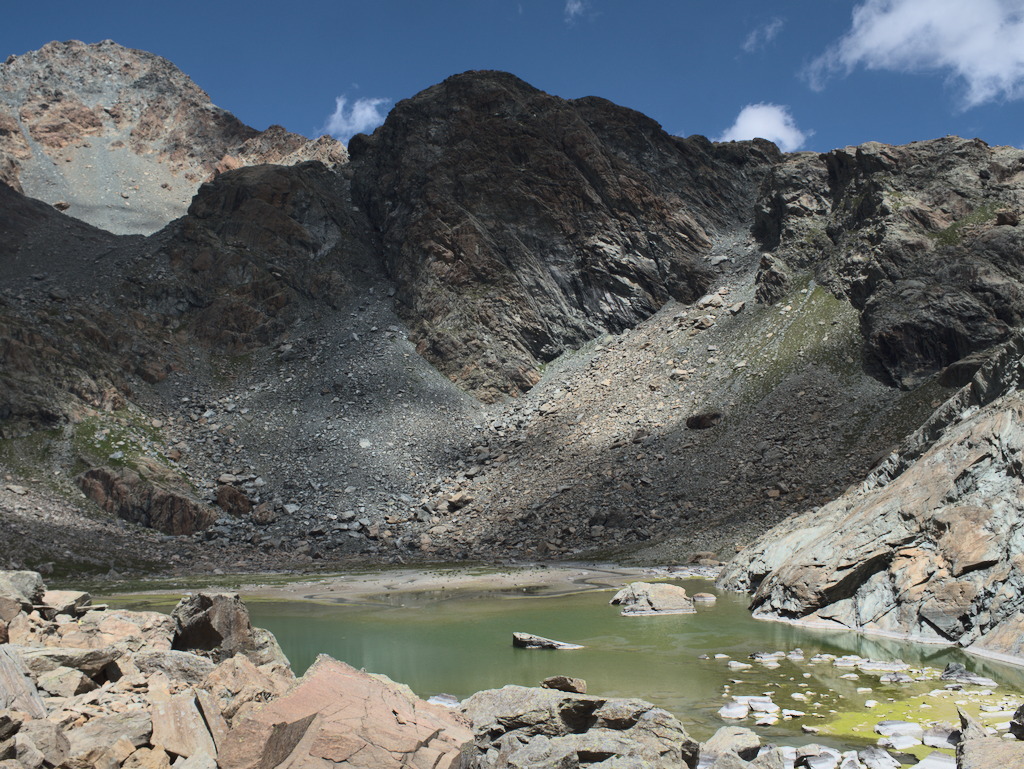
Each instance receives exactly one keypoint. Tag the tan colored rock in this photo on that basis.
(17, 691)
(135, 727)
(237, 681)
(45, 659)
(349, 718)
(179, 728)
(65, 682)
(48, 738)
(148, 758)
(219, 623)
(644, 598)
(565, 684)
(133, 629)
(72, 602)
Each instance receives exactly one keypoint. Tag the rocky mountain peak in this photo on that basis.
(517, 224)
(122, 138)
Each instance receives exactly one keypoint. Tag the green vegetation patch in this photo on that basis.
(954, 233)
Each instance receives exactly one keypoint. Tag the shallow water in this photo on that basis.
(460, 643)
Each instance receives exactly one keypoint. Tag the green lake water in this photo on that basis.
(460, 643)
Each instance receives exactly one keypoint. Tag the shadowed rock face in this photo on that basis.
(921, 238)
(122, 138)
(518, 225)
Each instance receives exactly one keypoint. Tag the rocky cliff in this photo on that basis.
(922, 239)
(517, 225)
(929, 546)
(122, 138)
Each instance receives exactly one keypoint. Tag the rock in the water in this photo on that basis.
(530, 641)
(565, 684)
(644, 598)
(337, 714)
(732, 739)
(954, 671)
(519, 727)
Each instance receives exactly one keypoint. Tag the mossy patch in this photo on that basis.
(954, 233)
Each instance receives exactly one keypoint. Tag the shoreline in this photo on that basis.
(1008, 659)
(537, 580)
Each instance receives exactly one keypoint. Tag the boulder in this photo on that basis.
(65, 682)
(98, 734)
(337, 714)
(48, 738)
(91, 662)
(977, 750)
(518, 727)
(1017, 723)
(530, 641)
(17, 691)
(565, 684)
(24, 588)
(219, 623)
(70, 602)
(645, 598)
(732, 739)
(179, 727)
(181, 666)
(233, 500)
(127, 494)
(133, 630)
(237, 681)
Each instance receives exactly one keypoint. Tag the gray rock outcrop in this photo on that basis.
(645, 598)
(518, 727)
(928, 547)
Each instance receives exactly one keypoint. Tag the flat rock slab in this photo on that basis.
(530, 641)
(342, 716)
(646, 598)
(17, 692)
(937, 760)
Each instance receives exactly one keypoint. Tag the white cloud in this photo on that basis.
(767, 121)
(979, 44)
(362, 117)
(763, 35)
(573, 8)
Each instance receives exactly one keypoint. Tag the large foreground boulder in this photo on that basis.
(340, 716)
(516, 726)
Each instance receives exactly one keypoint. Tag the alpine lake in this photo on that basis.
(458, 641)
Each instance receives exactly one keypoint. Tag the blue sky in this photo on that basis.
(809, 74)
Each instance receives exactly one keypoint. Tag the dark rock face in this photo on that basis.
(517, 225)
(920, 238)
(256, 244)
(126, 494)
